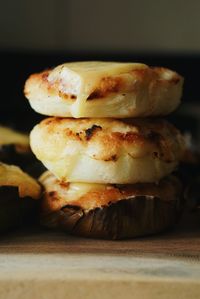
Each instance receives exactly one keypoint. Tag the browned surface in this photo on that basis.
(153, 76)
(142, 137)
(183, 242)
(56, 193)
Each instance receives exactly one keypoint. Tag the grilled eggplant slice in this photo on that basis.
(137, 210)
(18, 197)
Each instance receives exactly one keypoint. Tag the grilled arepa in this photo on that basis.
(107, 150)
(18, 197)
(110, 211)
(104, 89)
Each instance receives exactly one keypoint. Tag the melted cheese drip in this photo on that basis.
(8, 136)
(11, 175)
(82, 78)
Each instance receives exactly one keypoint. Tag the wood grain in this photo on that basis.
(36, 263)
(182, 242)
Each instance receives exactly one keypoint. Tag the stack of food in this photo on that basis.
(109, 157)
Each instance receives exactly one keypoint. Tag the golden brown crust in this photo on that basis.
(90, 196)
(110, 137)
(107, 151)
(41, 79)
(138, 92)
(156, 75)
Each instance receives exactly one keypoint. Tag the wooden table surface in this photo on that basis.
(36, 263)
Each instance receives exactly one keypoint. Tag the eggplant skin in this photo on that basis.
(128, 218)
(15, 211)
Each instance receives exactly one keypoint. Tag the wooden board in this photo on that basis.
(42, 264)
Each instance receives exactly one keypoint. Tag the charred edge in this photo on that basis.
(128, 137)
(90, 132)
(45, 75)
(52, 194)
(64, 184)
(67, 96)
(95, 95)
(107, 85)
(112, 158)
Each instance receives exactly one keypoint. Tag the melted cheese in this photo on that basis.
(89, 196)
(73, 191)
(82, 78)
(9, 136)
(11, 175)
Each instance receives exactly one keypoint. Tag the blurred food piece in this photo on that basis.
(15, 149)
(19, 194)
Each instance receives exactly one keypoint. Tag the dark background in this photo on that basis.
(35, 35)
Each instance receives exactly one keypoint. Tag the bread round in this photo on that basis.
(104, 89)
(107, 150)
(18, 194)
(110, 211)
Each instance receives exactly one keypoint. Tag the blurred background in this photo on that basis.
(35, 35)
(106, 25)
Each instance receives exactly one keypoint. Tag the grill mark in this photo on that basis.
(90, 131)
(111, 158)
(129, 137)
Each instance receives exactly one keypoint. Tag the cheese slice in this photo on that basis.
(82, 78)
(104, 89)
